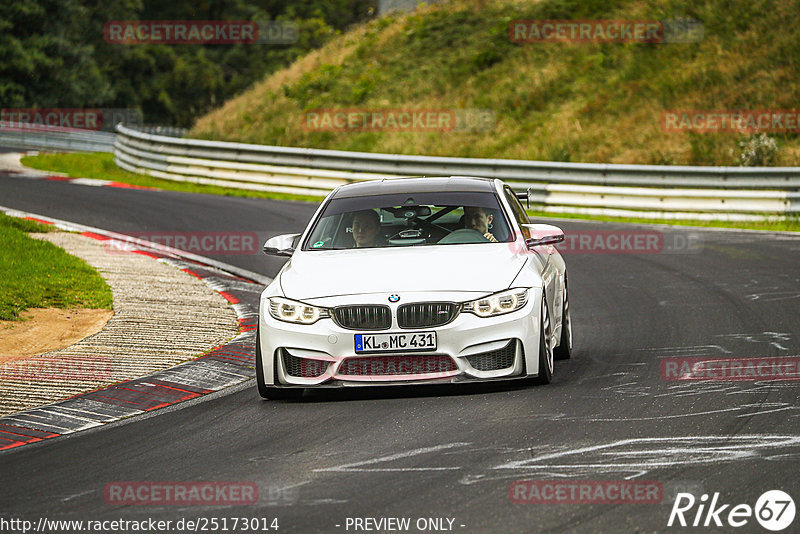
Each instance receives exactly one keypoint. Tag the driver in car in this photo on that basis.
(367, 229)
(480, 219)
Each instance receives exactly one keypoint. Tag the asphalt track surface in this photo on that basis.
(452, 452)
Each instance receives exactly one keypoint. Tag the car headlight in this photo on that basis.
(292, 311)
(497, 304)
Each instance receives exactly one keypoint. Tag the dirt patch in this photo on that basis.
(48, 329)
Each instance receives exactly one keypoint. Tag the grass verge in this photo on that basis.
(38, 274)
(102, 166)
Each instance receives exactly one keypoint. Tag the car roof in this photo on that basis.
(388, 186)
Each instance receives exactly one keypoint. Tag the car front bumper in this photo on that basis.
(469, 348)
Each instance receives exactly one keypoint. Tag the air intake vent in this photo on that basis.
(494, 360)
(397, 365)
(303, 367)
(363, 317)
(426, 314)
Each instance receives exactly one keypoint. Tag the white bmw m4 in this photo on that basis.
(414, 281)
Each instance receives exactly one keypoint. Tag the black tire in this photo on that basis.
(564, 349)
(545, 351)
(268, 392)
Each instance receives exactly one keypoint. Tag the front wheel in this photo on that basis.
(268, 392)
(545, 350)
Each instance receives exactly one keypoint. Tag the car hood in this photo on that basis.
(476, 268)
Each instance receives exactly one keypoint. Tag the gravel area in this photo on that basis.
(162, 316)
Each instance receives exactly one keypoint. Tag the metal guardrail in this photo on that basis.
(170, 131)
(679, 192)
(37, 136)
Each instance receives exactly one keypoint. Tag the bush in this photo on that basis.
(759, 150)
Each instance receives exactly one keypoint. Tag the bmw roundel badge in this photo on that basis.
(394, 298)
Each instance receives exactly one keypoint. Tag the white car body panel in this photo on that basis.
(483, 268)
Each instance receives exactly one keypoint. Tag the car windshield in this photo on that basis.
(409, 220)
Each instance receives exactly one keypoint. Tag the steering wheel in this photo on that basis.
(408, 232)
(464, 235)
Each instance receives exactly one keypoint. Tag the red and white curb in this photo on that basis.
(223, 366)
(93, 182)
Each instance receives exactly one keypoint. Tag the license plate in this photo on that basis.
(407, 341)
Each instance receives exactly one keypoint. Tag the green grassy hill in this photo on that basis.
(587, 102)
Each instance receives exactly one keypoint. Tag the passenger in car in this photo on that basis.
(480, 219)
(367, 229)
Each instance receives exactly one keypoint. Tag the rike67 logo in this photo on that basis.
(774, 510)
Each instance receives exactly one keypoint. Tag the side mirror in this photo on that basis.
(524, 196)
(542, 234)
(280, 245)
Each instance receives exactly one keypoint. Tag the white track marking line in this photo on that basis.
(356, 466)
